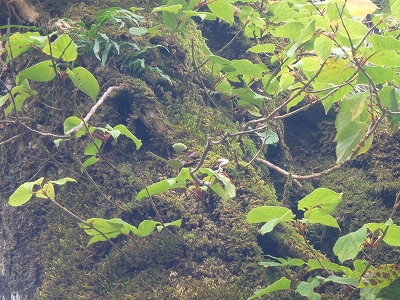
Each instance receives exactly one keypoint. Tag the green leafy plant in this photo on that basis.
(62, 52)
(365, 278)
(114, 227)
(93, 40)
(100, 229)
(72, 124)
(217, 181)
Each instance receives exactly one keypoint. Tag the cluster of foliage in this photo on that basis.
(374, 282)
(324, 54)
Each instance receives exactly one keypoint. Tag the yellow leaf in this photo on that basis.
(360, 8)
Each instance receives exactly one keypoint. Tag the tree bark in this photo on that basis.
(23, 9)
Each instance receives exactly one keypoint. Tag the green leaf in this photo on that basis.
(176, 223)
(268, 137)
(18, 101)
(91, 148)
(146, 227)
(351, 132)
(314, 264)
(41, 72)
(291, 262)
(316, 217)
(342, 280)
(380, 42)
(356, 104)
(85, 81)
(24, 193)
(290, 30)
(324, 199)
(223, 10)
(203, 15)
(72, 122)
(348, 246)
(47, 191)
(385, 58)
(306, 289)
(63, 181)
(305, 34)
(296, 100)
(4, 98)
(279, 285)
(19, 43)
(264, 48)
(392, 236)
(349, 137)
(214, 59)
(175, 164)
(380, 276)
(166, 184)
(90, 161)
(138, 31)
(125, 131)
(378, 75)
(174, 9)
(310, 64)
(62, 48)
(323, 46)
(109, 228)
(226, 191)
(251, 109)
(286, 81)
(281, 12)
(271, 215)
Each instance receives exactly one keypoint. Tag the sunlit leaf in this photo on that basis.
(271, 215)
(84, 81)
(125, 131)
(279, 285)
(146, 227)
(267, 48)
(166, 184)
(24, 193)
(324, 199)
(360, 8)
(41, 72)
(63, 48)
(323, 46)
(315, 216)
(222, 9)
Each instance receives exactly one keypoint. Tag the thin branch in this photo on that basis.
(44, 133)
(10, 139)
(93, 109)
(97, 186)
(95, 229)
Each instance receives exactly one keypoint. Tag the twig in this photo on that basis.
(95, 229)
(160, 219)
(97, 187)
(93, 109)
(10, 139)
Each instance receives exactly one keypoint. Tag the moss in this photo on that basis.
(219, 255)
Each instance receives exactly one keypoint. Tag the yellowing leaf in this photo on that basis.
(360, 8)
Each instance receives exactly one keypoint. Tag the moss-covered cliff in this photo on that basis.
(214, 254)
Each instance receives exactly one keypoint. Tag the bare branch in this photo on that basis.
(93, 109)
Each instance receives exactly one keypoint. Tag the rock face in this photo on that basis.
(43, 252)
